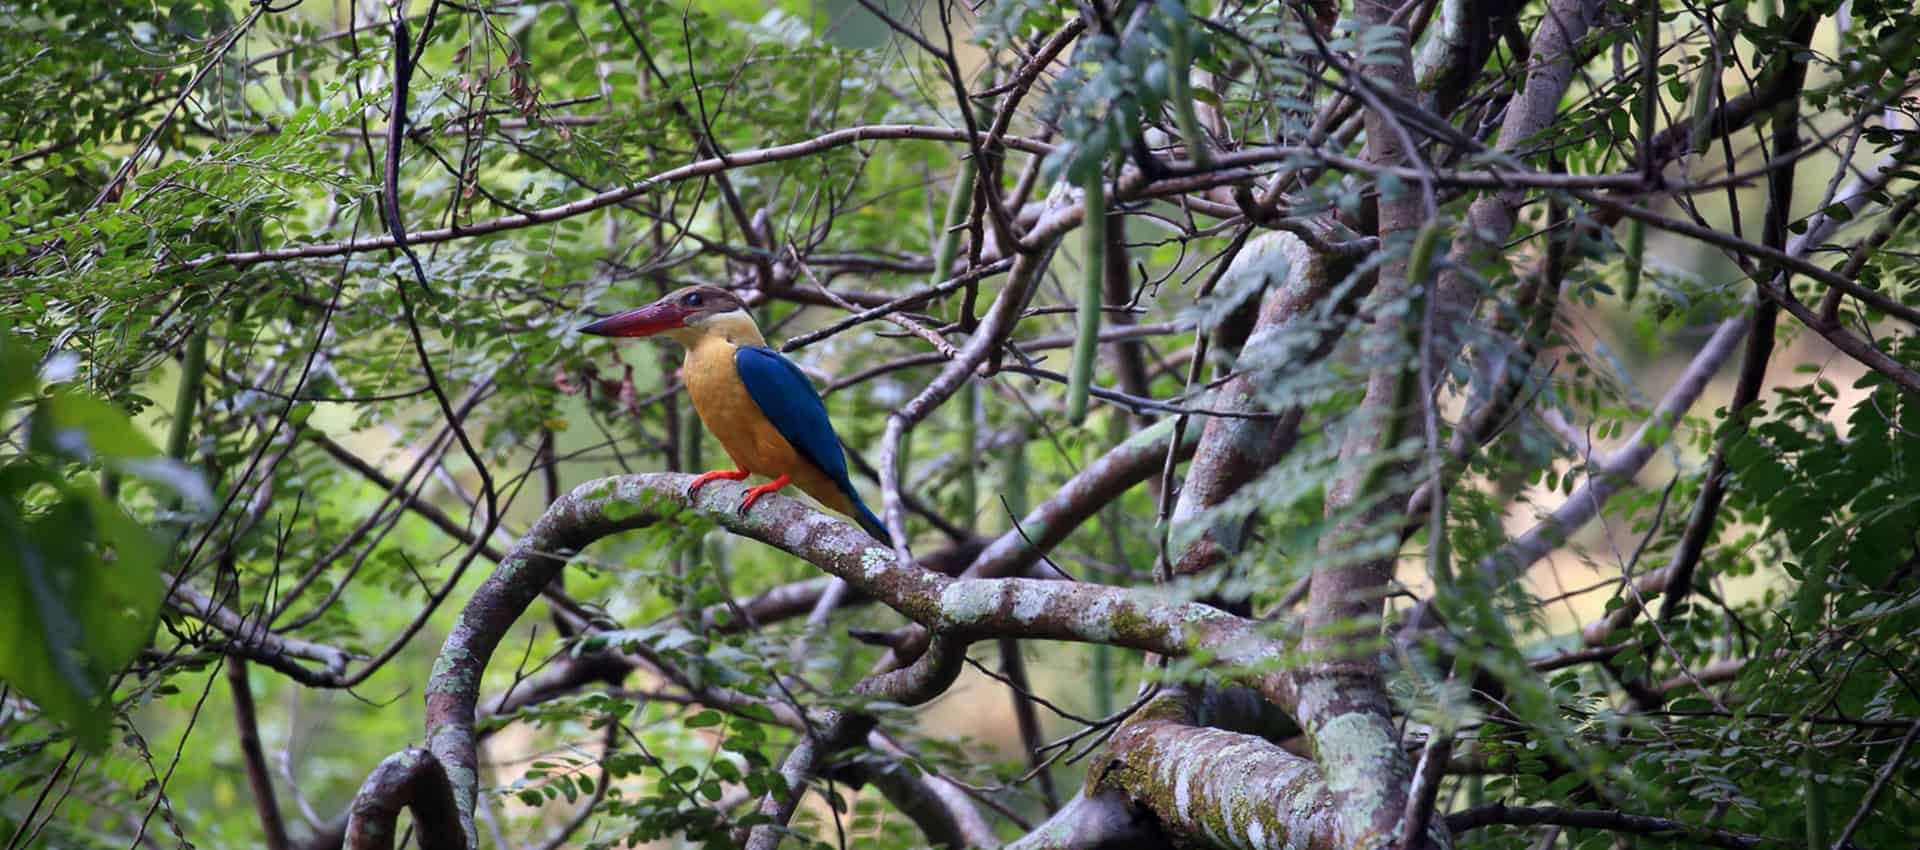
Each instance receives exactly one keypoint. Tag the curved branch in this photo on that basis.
(1103, 821)
(407, 779)
(839, 731)
(1234, 451)
(1016, 552)
(939, 807)
(962, 609)
(1100, 482)
(587, 514)
(942, 809)
(914, 684)
(983, 348)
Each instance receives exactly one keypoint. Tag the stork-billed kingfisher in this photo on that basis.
(761, 407)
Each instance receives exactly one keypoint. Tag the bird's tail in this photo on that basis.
(867, 520)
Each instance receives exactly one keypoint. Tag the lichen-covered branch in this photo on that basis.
(961, 609)
(1166, 779)
(1220, 788)
(587, 514)
(799, 598)
(1096, 485)
(1195, 772)
(409, 779)
(1344, 705)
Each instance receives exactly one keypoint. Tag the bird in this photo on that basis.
(760, 406)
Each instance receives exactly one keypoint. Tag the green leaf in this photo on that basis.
(79, 591)
(16, 368)
(83, 427)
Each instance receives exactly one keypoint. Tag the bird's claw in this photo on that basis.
(754, 494)
(693, 489)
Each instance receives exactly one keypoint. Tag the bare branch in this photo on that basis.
(247, 724)
(1879, 784)
(701, 168)
(1608, 475)
(1621, 822)
(251, 639)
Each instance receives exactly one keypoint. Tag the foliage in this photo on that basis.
(1672, 570)
(81, 584)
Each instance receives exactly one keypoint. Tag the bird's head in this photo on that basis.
(685, 315)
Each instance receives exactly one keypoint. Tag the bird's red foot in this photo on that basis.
(734, 475)
(754, 494)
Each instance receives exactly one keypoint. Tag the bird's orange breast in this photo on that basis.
(730, 413)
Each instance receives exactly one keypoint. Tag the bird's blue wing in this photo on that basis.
(788, 400)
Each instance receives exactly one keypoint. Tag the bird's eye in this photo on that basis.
(692, 299)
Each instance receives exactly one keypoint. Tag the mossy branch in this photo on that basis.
(956, 610)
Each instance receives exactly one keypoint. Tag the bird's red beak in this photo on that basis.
(646, 321)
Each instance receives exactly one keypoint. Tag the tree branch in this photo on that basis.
(1651, 827)
(694, 170)
(1232, 451)
(942, 810)
(1612, 473)
(247, 727)
(1220, 788)
(252, 640)
(1103, 821)
(1344, 705)
(962, 609)
(408, 779)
